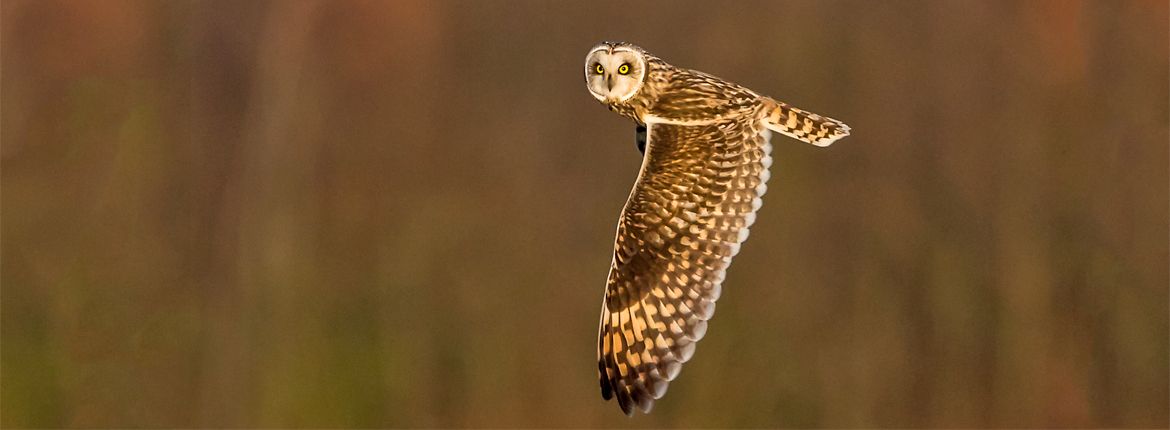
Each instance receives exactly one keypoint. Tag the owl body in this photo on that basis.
(703, 174)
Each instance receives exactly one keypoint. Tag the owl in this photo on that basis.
(705, 144)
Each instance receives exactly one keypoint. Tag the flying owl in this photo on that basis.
(705, 144)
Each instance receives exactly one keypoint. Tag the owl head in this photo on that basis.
(615, 71)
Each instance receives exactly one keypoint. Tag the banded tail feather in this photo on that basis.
(807, 127)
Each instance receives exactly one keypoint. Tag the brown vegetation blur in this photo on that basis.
(401, 214)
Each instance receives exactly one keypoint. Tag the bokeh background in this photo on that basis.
(401, 214)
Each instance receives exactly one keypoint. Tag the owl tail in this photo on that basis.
(804, 126)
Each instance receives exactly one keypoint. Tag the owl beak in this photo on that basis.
(609, 81)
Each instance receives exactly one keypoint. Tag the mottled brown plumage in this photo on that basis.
(704, 170)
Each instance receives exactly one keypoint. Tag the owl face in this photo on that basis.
(614, 73)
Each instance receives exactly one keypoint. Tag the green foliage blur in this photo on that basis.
(401, 213)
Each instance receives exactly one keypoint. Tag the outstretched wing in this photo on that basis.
(696, 195)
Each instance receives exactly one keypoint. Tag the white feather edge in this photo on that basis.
(761, 189)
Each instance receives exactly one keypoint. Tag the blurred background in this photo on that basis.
(401, 214)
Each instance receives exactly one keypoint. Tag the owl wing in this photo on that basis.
(696, 195)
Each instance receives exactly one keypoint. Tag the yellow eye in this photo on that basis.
(598, 69)
(624, 69)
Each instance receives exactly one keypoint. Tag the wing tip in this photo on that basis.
(639, 395)
(842, 132)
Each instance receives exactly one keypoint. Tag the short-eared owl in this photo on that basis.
(704, 169)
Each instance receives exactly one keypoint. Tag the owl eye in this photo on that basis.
(598, 69)
(624, 69)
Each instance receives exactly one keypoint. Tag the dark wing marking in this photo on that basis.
(640, 137)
